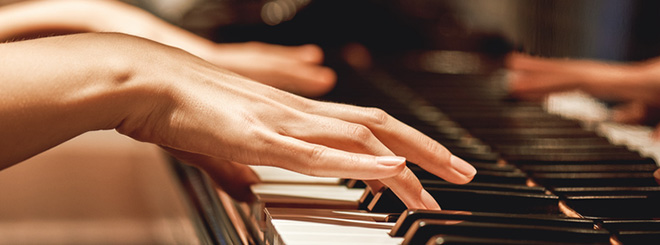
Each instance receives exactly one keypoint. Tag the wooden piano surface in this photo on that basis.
(99, 188)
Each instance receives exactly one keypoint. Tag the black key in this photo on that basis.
(638, 237)
(634, 231)
(604, 191)
(486, 176)
(474, 200)
(615, 206)
(471, 240)
(594, 179)
(423, 230)
(581, 158)
(590, 168)
(485, 186)
(498, 133)
(408, 217)
(631, 225)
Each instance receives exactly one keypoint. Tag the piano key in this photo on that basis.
(496, 133)
(408, 217)
(589, 168)
(615, 206)
(485, 186)
(474, 200)
(329, 232)
(601, 191)
(631, 224)
(278, 175)
(637, 237)
(551, 142)
(423, 230)
(584, 158)
(523, 150)
(323, 226)
(464, 240)
(483, 175)
(594, 179)
(308, 196)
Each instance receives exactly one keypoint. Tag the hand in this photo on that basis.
(637, 84)
(228, 117)
(295, 69)
(56, 88)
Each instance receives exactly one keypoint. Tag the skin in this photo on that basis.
(636, 83)
(296, 69)
(56, 88)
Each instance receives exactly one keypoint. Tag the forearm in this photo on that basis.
(46, 17)
(54, 89)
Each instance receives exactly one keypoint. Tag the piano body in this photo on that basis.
(545, 175)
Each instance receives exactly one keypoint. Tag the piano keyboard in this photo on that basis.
(543, 178)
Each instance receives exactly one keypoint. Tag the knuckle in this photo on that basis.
(432, 146)
(315, 158)
(355, 159)
(360, 133)
(435, 148)
(376, 116)
(317, 154)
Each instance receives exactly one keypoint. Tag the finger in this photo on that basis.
(335, 133)
(527, 84)
(358, 138)
(632, 112)
(528, 63)
(403, 140)
(656, 176)
(301, 78)
(408, 188)
(320, 160)
(524, 62)
(374, 185)
(234, 178)
(308, 53)
(656, 136)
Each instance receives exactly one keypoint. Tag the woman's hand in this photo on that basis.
(637, 84)
(59, 87)
(295, 69)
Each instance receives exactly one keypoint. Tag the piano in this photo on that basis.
(550, 172)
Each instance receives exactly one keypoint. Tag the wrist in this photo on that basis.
(56, 88)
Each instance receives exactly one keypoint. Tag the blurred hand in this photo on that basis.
(636, 84)
(295, 69)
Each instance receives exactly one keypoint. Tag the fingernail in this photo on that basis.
(391, 160)
(462, 166)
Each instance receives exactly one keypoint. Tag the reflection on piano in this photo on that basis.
(543, 176)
